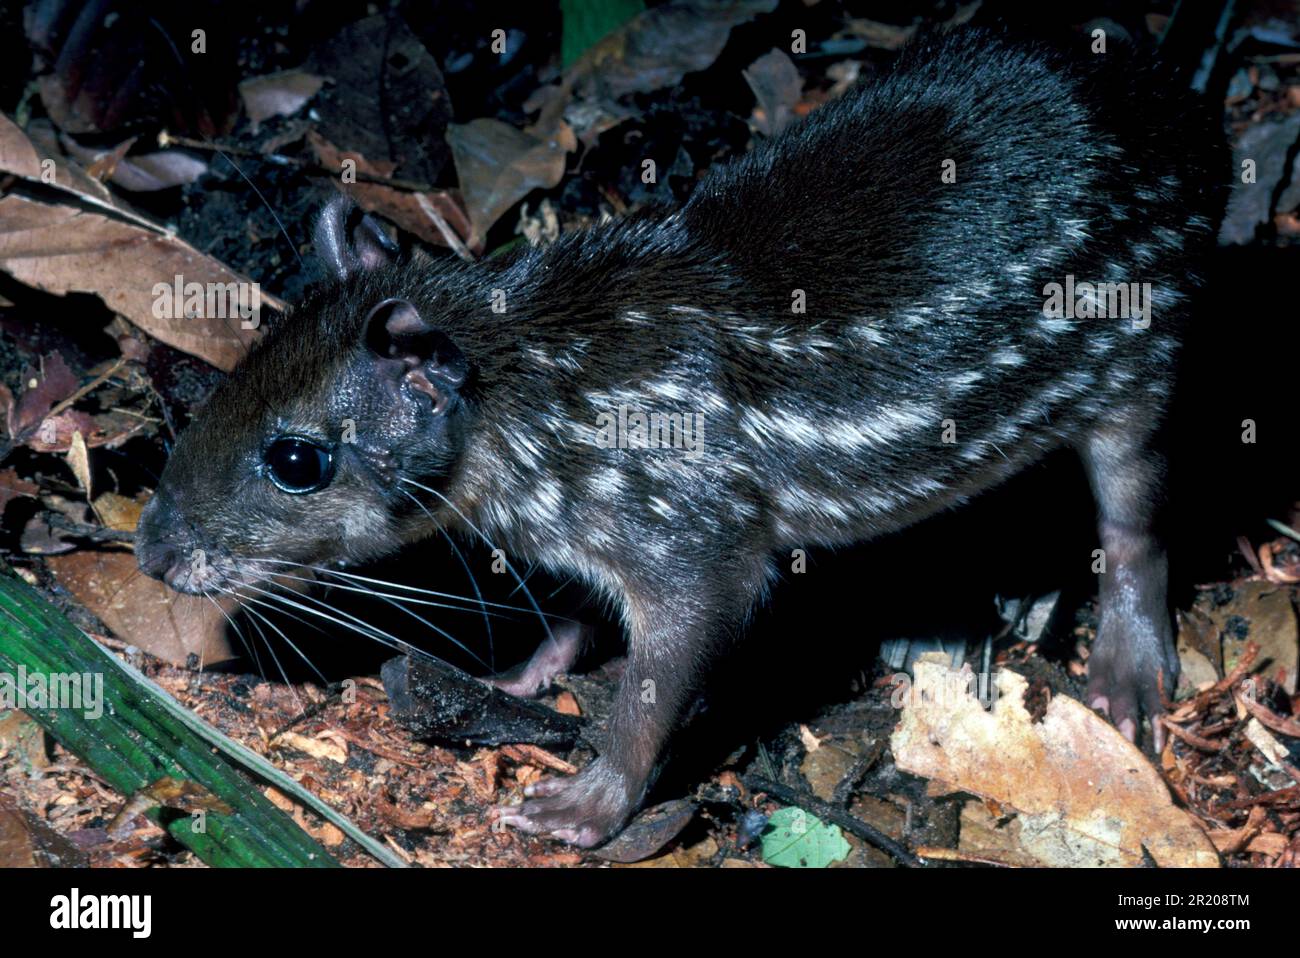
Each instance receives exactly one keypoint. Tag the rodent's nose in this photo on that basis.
(153, 552)
(156, 558)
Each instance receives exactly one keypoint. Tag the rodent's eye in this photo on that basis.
(299, 465)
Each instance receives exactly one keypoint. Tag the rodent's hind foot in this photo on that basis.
(584, 809)
(554, 656)
(1125, 679)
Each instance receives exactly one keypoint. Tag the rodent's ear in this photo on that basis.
(409, 349)
(350, 241)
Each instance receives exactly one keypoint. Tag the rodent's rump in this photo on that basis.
(839, 333)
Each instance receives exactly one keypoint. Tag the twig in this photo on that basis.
(828, 812)
(166, 139)
(935, 853)
(444, 228)
(83, 531)
(86, 389)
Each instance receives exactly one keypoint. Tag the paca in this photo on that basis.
(984, 255)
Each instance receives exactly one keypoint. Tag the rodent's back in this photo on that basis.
(926, 297)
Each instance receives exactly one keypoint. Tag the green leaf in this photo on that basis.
(133, 737)
(586, 22)
(796, 839)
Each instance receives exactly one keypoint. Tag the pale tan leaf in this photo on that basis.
(1084, 794)
(79, 461)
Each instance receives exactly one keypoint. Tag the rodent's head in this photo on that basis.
(298, 458)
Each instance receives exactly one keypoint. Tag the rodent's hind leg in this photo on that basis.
(1134, 650)
(674, 631)
(554, 656)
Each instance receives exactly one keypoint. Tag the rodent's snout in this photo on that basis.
(156, 558)
(163, 552)
(155, 552)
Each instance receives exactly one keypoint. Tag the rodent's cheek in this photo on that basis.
(345, 520)
(364, 521)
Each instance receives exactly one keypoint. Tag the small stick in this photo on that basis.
(83, 531)
(828, 812)
(86, 389)
(935, 853)
(166, 139)
(444, 228)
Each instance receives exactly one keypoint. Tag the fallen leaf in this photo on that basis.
(142, 173)
(1263, 740)
(387, 99)
(278, 94)
(883, 36)
(777, 87)
(985, 835)
(499, 165)
(655, 49)
(1269, 620)
(144, 611)
(797, 839)
(20, 734)
(1085, 795)
(43, 389)
(28, 421)
(1267, 146)
(27, 842)
(79, 462)
(409, 210)
(118, 512)
(12, 487)
(113, 252)
(315, 747)
(647, 833)
(1200, 654)
(120, 65)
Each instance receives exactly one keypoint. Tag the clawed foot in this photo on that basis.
(583, 809)
(1124, 679)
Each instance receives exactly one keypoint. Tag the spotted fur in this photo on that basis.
(922, 372)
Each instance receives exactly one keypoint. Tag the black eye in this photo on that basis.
(299, 465)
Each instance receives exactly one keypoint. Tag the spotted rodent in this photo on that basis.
(861, 316)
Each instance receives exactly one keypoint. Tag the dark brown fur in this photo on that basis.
(925, 307)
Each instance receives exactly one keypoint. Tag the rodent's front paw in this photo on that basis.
(583, 809)
(1124, 676)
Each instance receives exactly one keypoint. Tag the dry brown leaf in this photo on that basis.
(141, 610)
(1085, 795)
(118, 512)
(12, 486)
(112, 252)
(499, 165)
(43, 389)
(27, 842)
(142, 173)
(405, 208)
(1272, 625)
(986, 836)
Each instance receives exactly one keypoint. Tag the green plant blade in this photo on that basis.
(136, 739)
(585, 22)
